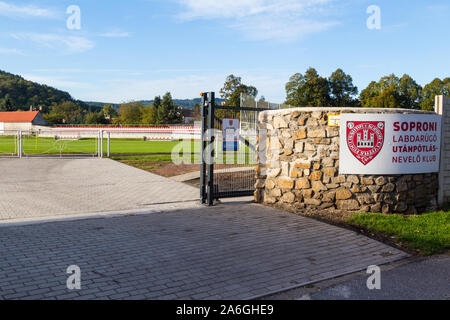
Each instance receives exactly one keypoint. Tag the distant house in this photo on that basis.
(188, 115)
(20, 120)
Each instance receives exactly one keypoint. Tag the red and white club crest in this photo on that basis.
(365, 139)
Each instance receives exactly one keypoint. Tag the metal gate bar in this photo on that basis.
(210, 186)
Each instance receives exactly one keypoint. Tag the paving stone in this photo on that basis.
(81, 186)
(231, 251)
(234, 251)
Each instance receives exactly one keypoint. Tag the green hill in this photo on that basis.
(185, 103)
(16, 93)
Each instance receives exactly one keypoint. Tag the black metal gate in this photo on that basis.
(228, 157)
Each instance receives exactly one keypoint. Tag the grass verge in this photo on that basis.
(153, 158)
(424, 234)
(161, 164)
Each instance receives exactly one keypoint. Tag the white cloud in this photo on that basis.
(120, 85)
(11, 51)
(57, 82)
(12, 10)
(115, 34)
(283, 20)
(126, 89)
(68, 44)
(122, 88)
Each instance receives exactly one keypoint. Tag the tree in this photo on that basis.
(410, 93)
(197, 112)
(309, 90)
(392, 92)
(6, 104)
(53, 118)
(434, 88)
(232, 89)
(109, 111)
(149, 115)
(66, 112)
(168, 111)
(342, 89)
(157, 102)
(130, 113)
(95, 118)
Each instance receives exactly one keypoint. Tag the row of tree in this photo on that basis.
(161, 111)
(58, 107)
(338, 90)
(302, 90)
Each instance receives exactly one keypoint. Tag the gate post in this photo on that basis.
(100, 144)
(211, 138)
(204, 111)
(442, 107)
(19, 142)
(101, 156)
(109, 145)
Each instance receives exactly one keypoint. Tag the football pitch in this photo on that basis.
(189, 151)
(42, 145)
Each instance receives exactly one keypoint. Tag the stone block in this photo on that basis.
(381, 181)
(279, 122)
(302, 164)
(275, 193)
(343, 194)
(353, 179)
(390, 187)
(318, 186)
(285, 183)
(367, 181)
(301, 134)
(347, 204)
(331, 172)
(312, 202)
(317, 133)
(288, 197)
(302, 183)
(307, 194)
(270, 184)
(315, 176)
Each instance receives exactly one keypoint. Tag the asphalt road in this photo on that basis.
(410, 279)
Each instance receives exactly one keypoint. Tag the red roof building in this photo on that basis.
(20, 120)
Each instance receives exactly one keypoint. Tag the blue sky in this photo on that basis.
(136, 49)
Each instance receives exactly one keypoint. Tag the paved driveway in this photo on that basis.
(177, 250)
(232, 251)
(34, 188)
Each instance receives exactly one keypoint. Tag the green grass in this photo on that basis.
(151, 158)
(8, 145)
(137, 148)
(31, 145)
(41, 145)
(426, 234)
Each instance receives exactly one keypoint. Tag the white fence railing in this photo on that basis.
(18, 143)
(89, 143)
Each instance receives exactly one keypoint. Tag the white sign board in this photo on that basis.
(2, 127)
(230, 132)
(389, 143)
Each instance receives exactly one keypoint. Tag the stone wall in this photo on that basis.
(299, 168)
